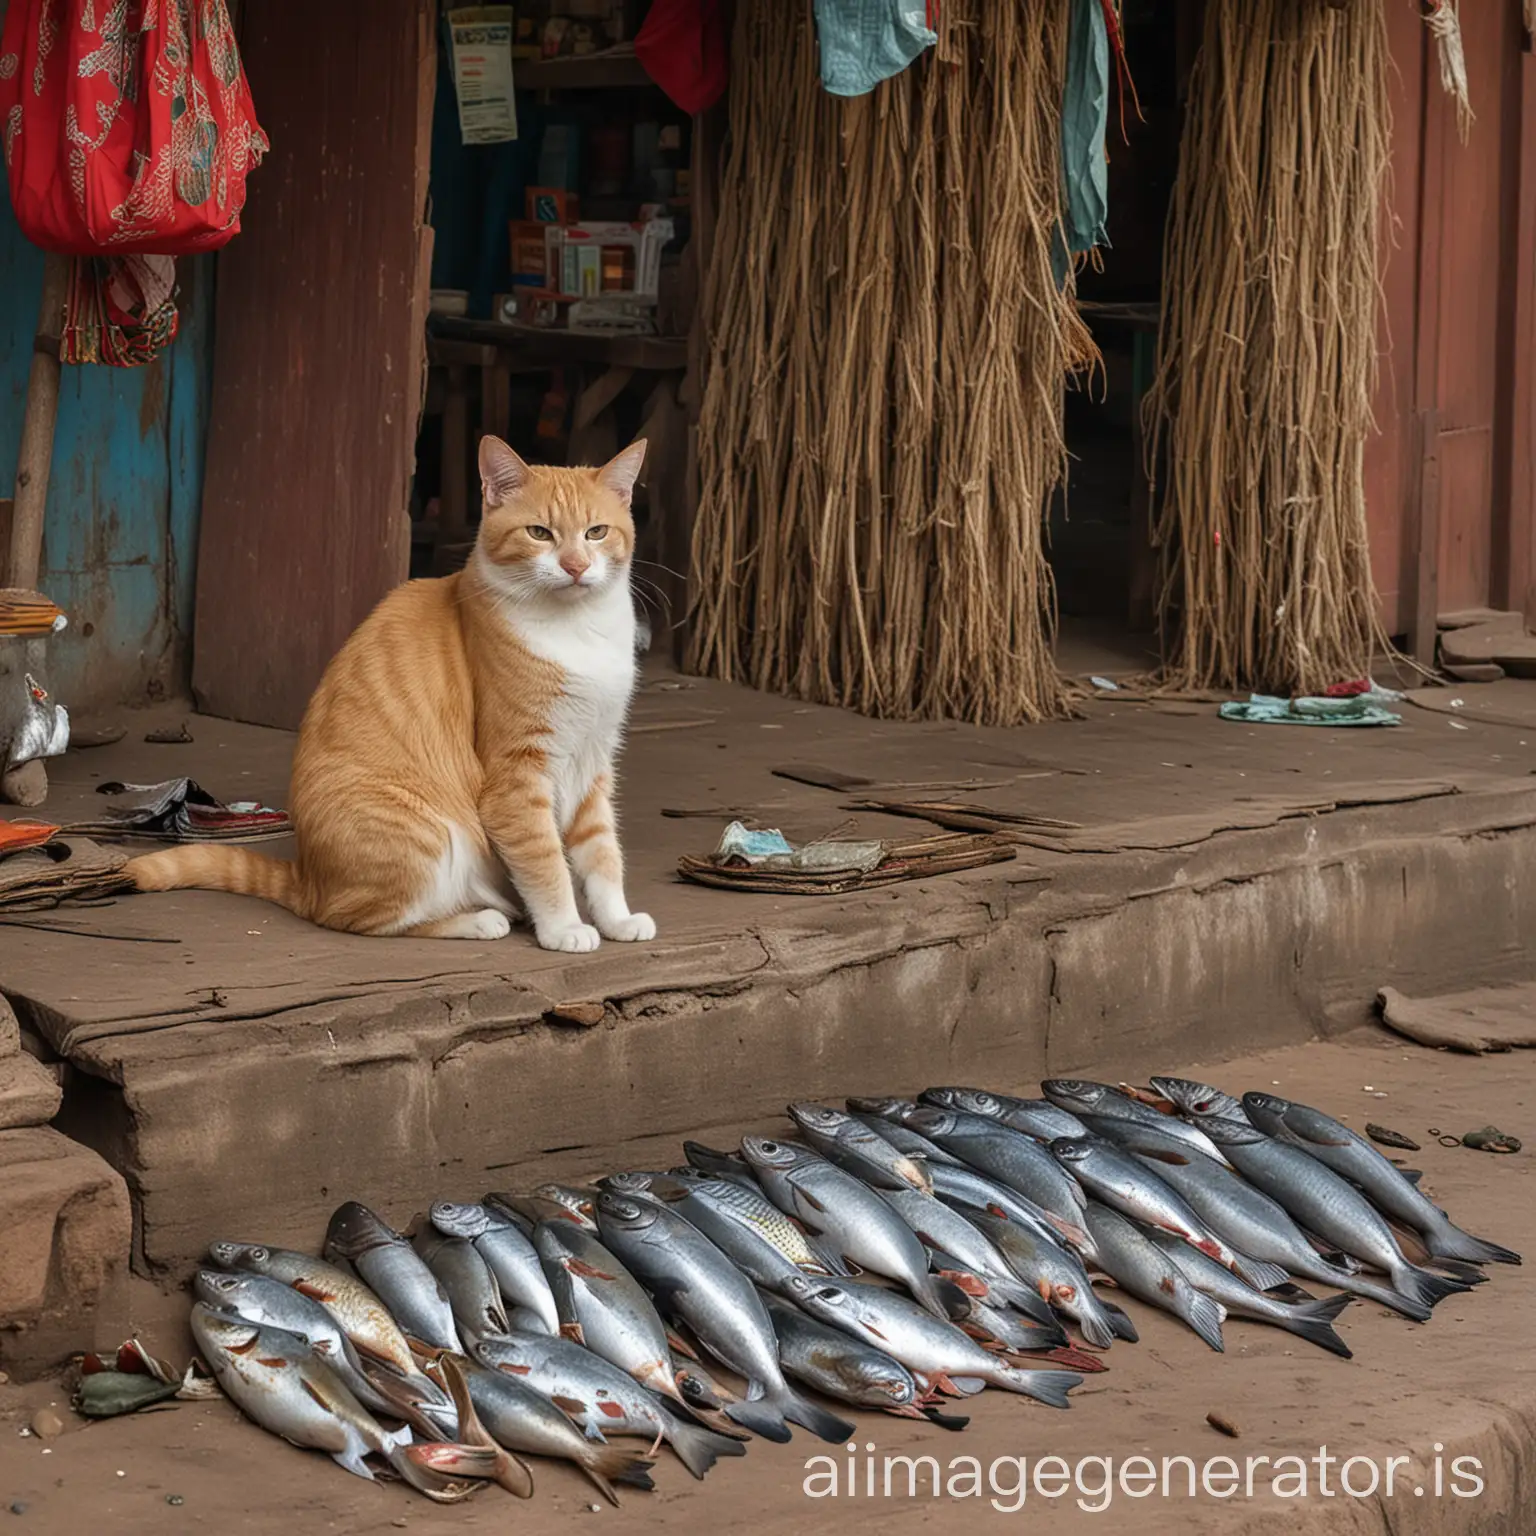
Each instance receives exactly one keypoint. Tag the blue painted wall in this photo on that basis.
(120, 539)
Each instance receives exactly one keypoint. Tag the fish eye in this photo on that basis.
(260, 1255)
(832, 1296)
(541, 533)
(598, 532)
(770, 1147)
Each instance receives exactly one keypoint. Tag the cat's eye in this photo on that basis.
(598, 532)
(541, 533)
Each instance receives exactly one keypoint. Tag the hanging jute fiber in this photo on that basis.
(1267, 356)
(881, 425)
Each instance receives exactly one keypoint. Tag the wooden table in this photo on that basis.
(498, 350)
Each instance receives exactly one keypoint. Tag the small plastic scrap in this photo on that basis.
(1105, 684)
(1361, 709)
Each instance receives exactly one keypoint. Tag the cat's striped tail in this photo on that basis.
(209, 868)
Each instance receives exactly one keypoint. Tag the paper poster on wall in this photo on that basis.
(480, 48)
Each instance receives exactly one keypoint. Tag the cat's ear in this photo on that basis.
(620, 472)
(501, 471)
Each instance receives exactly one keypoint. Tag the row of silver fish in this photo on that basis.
(900, 1253)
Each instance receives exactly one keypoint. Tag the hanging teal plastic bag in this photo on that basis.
(1084, 121)
(866, 41)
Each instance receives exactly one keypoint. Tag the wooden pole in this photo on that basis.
(35, 459)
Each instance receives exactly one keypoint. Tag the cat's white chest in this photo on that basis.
(593, 645)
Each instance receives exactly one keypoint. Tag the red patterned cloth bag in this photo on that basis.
(128, 125)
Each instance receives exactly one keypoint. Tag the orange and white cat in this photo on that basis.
(460, 748)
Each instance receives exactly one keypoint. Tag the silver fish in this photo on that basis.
(467, 1281)
(750, 1229)
(276, 1379)
(858, 1149)
(1058, 1277)
(852, 1218)
(1125, 1182)
(695, 1283)
(1354, 1158)
(509, 1253)
(269, 1303)
(1010, 1158)
(884, 1115)
(1309, 1320)
(603, 1306)
(525, 1420)
(1329, 1206)
(395, 1273)
(1031, 1117)
(1085, 1098)
(948, 1232)
(1139, 1267)
(1246, 1216)
(600, 1397)
(963, 1188)
(938, 1354)
(363, 1317)
(843, 1367)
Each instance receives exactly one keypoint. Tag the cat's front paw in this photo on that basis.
(633, 928)
(573, 939)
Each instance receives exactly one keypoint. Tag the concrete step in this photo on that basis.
(255, 1122)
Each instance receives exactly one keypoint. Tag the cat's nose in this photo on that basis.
(574, 566)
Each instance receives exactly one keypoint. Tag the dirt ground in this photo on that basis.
(1466, 1382)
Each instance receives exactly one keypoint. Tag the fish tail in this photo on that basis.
(1450, 1242)
(1259, 1273)
(1426, 1289)
(761, 1416)
(820, 1421)
(1386, 1295)
(698, 1448)
(606, 1465)
(942, 1297)
(445, 1473)
(1048, 1387)
(1098, 1329)
(1313, 1321)
(1120, 1321)
(1206, 1317)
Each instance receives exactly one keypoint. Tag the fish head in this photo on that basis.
(219, 1333)
(624, 1212)
(823, 1299)
(1266, 1110)
(1072, 1151)
(625, 1184)
(882, 1109)
(930, 1121)
(970, 1101)
(254, 1258)
(453, 1219)
(771, 1156)
(1197, 1100)
(818, 1119)
(1075, 1092)
(354, 1230)
(891, 1380)
(219, 1289)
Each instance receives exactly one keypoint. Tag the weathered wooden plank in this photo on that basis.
(317, 388)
